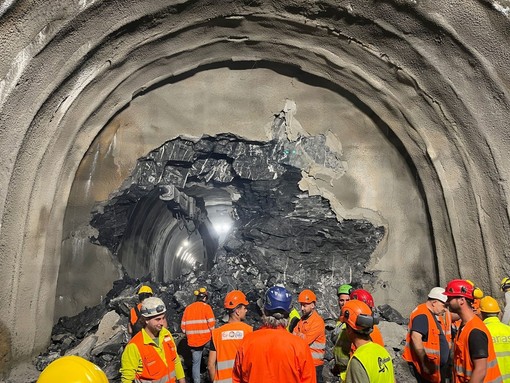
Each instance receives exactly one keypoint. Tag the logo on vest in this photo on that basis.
(232, 335)
(382, 364)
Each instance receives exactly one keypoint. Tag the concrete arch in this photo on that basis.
(439, 83)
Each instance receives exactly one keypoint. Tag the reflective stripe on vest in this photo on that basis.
(304, 330)
(155, 369)
(463, 366)
(197, 323)
(431, 346)
(501, 339)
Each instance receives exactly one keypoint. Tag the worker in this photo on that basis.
(474, 359)
(370, 363)
(227, 338)
(426, 348)
(135, 323)
(342, 345)
(272, 354)
(500, 333)
(505, 287)
(151, 355)
(197, 324)
(477, 294)
(72, 369)
(312, 330)
(366, 297)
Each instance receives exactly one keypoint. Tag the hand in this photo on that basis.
(428, 366)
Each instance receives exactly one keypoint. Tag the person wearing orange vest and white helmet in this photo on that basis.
(364, 296)
(151, 355)
(370, 362)
(72, 369)
(474, 359)
(135, 325)
(427, 348)
(227, 338)
(197, 324)
(312, 330)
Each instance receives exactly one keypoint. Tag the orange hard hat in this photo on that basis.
(358, 315)
(234, 299)
(307, 296)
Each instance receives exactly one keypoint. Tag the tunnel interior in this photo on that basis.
(412, 99)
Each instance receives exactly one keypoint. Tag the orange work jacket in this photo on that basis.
(197, 323)
(313, 331)
(273, 355)
(155, 370)
(462, 363)
(132, 315)
(432, 345)
(227, 340)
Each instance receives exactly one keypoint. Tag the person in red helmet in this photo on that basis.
(370, 363)
(312, 330)
(366, 297)
(227, 338)
(474, 359)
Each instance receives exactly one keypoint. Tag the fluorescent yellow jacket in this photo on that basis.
(500, 334)
(376, 361)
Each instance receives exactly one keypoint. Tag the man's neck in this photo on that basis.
(358, 342)
(151, 334)
(466, 315)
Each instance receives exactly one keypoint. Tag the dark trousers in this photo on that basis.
(318, 374)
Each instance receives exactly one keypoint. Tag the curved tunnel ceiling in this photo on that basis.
(438, 82)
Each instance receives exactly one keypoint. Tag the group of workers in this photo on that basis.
(455, 336)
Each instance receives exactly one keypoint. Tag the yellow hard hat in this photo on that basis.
(145, 289)
(505, 283)
(72, 369)
(489, 305)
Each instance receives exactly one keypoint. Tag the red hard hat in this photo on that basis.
(234, 299)
(359, 316)
(459, 288)
(307, 296)
(364, 296)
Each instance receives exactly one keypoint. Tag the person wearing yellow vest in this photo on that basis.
(427, 348)
(227, 338)
(370, 363)
(312, 330)
(474, 359)
(342, 345)
(197, 324)
(500, 333)
(151, 355)
(135, 325)
(294, 318)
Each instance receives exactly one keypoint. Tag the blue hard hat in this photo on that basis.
(278, 298)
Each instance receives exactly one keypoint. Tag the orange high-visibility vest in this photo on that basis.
(273, 355)
(432, 345)
(155, 370)
(197, 323)
(132, 315)
(313, 331)
(462, 363)
(376, 336)
(226, 341)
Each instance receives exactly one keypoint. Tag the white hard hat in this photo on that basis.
(152, 306)
(438, 293)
